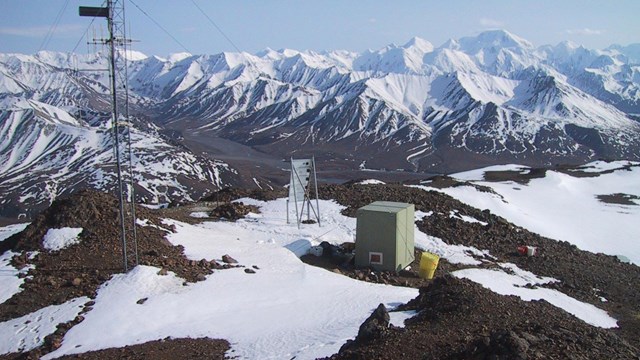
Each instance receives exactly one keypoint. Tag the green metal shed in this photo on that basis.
(384, 235)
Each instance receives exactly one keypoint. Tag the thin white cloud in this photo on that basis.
(491, 23)
(585, 31)
(39, 31)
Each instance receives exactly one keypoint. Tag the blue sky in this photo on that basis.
(254, 25)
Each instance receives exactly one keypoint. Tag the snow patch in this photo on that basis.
(10, 282)
(397, 318)
(371, 182)
(58, 239)
(506, 284)
(7, 231)
(199, 215)
(28, 332)
(454, 214)
(563, 207)
(286, 309)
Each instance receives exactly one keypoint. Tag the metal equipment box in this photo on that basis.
(385, 236)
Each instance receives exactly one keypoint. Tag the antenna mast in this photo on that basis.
(117, 44)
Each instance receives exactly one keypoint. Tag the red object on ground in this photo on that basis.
(522, 250)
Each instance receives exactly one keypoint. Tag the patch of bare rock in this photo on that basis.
(459, 319)
(456, 318)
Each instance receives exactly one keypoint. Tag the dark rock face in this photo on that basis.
(459, 319)
(375, 326)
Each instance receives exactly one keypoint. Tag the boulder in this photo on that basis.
(375, 326)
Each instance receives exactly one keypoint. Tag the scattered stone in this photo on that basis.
(163, 272)
(153, 253)
(204, 263)
(255, 267)
(233, 211)
(249, 271)
(76, 282)
(142, 301)
(228, 259)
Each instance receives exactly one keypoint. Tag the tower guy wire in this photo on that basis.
(160, 26)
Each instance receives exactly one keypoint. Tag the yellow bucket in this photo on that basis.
(428, 265)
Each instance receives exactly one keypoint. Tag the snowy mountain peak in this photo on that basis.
(568, 45)
(487, 98)
(133, 55)
(269, 53)
(177, 57)
(420, 44)
(493, 39)
(288, 52)
(631, 51)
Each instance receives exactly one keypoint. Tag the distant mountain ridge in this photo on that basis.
(474, 101)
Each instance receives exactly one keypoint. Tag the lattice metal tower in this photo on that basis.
(118, 45)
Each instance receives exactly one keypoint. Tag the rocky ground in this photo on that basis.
(583, 275)
(457, 318)
(58, 276)
(165, 349)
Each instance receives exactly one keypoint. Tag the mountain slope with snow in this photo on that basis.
(480, 100)
(47, 153)
(577, 205)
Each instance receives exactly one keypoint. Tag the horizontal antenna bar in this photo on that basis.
(94, 11)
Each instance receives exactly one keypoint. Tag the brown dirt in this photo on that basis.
(165, 349)
(583, 275)
(233, 211)
(458, 318)
(80, 269)
(408, 277)
(517, 176)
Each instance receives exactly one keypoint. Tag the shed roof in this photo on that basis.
(385, 206)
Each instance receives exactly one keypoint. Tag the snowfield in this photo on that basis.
(9, 280)
(563, 207)
(289, 309)
(28, 332)
(285, 309)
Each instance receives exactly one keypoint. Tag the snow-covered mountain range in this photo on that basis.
(487, 99)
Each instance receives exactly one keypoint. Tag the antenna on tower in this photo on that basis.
(117, 43)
